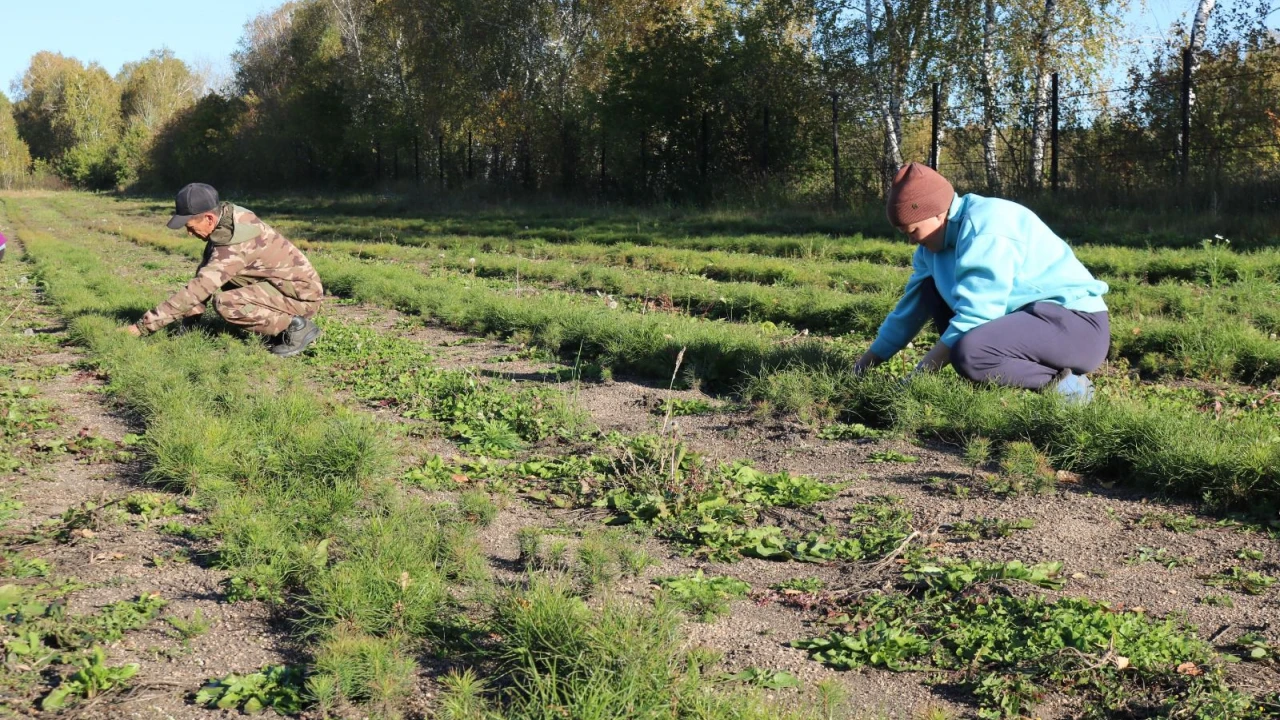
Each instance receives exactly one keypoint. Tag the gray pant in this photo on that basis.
(1027, 347)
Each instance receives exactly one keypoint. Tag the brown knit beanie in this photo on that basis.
(918, 192)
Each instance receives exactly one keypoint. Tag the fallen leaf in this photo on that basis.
(1121, 662)
(1189, 668)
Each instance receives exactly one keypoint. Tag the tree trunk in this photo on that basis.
(888, 100)
(1199, 27)
(989, 97)
(1039, 127)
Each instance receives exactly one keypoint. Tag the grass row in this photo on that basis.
(1231, 464)
(370, 576)
(1216, 331)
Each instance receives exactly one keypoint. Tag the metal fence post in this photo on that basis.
(1053, 139)
(933, 134)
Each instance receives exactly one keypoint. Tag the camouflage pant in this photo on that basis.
(259, 307)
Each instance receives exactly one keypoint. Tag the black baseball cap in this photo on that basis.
(193, 199)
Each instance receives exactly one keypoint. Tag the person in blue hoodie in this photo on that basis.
(1010, 300)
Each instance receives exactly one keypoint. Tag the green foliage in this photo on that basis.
(92, 679)
(985, 528)
(279, 687)
(189, 628)
(151, 506)
(1255, 647)
(69, 114)
(16, 565)
(890, 456)
(1170, 521)
(679, 407)
(705, 598)
(880, 645)
(1160, 556)
(477, 507)
(1023, 467)
(15, 156)
(956, 575)
(855, 431)
(804, 585)
(779, 489)
(376, 671)
(767, 679)
(1237, 578)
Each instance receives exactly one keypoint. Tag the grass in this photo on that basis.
(296, 491)
(372, 578)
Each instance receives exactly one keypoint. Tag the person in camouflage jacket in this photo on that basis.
(258, 280)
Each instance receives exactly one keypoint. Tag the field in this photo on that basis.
(551, 464)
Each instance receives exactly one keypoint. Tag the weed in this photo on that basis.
(767, 679)
(1218, 601)
(262, 582)
(1249, 554)
(278, 687)
(881, 644)
(804, 585)
(18, 566)
(93, 678)
(1170, 521)
(985, 528)
(1160, 556)
(1255, 647)
(8, 510)
(677, 407)
(954, 575)
(855, 431)
(891, 456)
(151, 506)
(705, 598)
(1241, 580)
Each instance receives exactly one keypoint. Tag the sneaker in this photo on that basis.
(295, 338)
(1076, 389)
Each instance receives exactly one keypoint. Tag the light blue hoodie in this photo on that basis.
(997, 257)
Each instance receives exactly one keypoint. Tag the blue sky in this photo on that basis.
(113, 32)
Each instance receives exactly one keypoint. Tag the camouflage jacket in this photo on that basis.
(242, 250)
